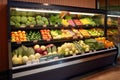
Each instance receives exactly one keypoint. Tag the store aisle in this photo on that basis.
(108, 73)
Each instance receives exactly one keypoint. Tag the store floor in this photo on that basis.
(108, 73)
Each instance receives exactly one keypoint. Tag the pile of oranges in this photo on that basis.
(107, 43)
(18, 36)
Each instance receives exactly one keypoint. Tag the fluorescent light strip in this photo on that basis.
(33, 10)
(113, 15)
(50, 11)
(82, 13)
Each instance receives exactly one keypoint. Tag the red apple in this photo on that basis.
(39, 50)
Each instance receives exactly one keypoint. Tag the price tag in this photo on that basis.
(35, 41)
(19, 42)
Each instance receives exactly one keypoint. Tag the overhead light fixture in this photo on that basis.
(90, 14)
(114, 16)
(51, 11)
(34, 10)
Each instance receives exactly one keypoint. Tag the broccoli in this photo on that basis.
(23, 19)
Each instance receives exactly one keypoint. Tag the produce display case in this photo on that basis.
(113, 24)
(47, 41)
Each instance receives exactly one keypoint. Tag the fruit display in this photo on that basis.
(112, 31)
(33, 35)
(18, 36)
(40, 36)
(77, 33)
(55, 20)
(77, 22)
(84, 33)
(96, 32)
(46, 34)
(87, 21)
(65, 22)
(106, 43)
(94, 44)
(71, 23)
(56, 34)
(112, 22)
(42, 21)
(67, 33)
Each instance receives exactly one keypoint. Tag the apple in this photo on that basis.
(36, 46)
(39, 50)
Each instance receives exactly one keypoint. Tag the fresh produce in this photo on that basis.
(51, 49)
(84, 33)
(106, 43)
(61, 34)
(37, 55)
(23, 51)
(65, 22)
(87, 21)
(42, 20)
(77, 22)
(67, 33)
(18, 36)
(67, 49)
(31, 21)
(96, 32)
(77, 33)
(32, 57)
(84, 46)
(22, 21)
(94, 45)
(46, 34)
(40, 49)
(55, 20)
(17, 59)
(25, 59)
(36, 46)
(33, 35)
(71, 23)
(15, 21)
(56, 34)
(112, 32)
(111, 22)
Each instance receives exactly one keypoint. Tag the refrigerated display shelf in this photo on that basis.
(52, 27)
(50, 41)
(65, 59)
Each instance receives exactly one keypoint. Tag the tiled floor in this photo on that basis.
(109, 73)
